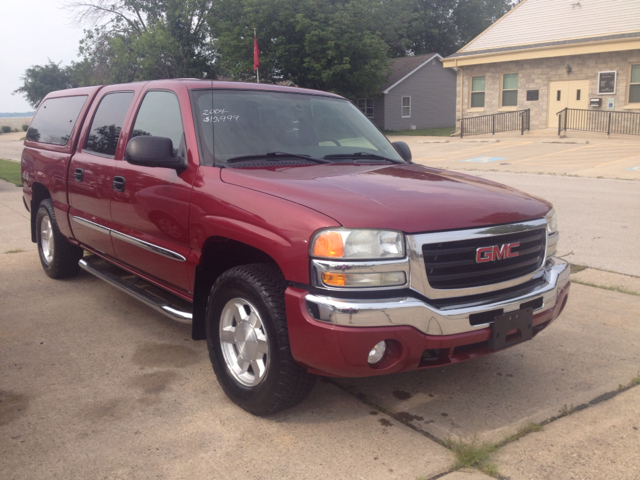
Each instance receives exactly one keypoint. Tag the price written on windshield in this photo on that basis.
(221, 118)
(218, 115)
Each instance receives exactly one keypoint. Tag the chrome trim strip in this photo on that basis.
(131, 240)
(148, 246)
(431, 320)
(92, 225)
(318, 267)
(419, 281)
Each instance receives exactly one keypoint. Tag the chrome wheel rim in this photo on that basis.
(46, 239)
(244, 343)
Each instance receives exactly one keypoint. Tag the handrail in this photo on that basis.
(623, 123)
(497, 122)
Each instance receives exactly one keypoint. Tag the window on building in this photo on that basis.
(107, 123)
(366, 106)
(634, 84)
(510, 90)
(406, 107)
(477, 92)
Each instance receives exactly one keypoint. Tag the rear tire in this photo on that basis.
(248, 341)
(59, 257)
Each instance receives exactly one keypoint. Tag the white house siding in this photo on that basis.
(432, 90)
(536, 75)
(541, 21)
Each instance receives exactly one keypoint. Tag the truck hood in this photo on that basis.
(409, 198)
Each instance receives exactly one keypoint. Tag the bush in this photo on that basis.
(6, 129)
(25, 128)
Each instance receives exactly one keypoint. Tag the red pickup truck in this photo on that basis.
(287, 229)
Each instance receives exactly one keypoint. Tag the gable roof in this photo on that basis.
(404, 67)
(557, 24)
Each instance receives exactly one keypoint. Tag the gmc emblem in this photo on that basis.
(490, 254)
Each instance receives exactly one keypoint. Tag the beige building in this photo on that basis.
(547, 55)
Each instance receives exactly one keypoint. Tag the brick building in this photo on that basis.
(547, 55)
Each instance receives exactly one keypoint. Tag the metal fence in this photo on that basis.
(498, 122)
(624, 123)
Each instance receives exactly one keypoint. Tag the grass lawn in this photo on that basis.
(429, 132)
(10, 171)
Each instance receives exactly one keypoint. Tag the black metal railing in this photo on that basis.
(623, 123)
(498, 122)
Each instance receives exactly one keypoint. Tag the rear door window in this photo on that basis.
(55, 120)
(107, 123)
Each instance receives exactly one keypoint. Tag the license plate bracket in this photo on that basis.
(520, 320)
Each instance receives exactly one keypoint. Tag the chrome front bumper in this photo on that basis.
(431, 320)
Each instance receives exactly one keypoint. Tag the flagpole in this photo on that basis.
(256, 53)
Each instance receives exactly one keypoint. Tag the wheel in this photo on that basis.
(248, 341)
(58, 257)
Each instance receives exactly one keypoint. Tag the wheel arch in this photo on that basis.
(39, 193)
(219, 254)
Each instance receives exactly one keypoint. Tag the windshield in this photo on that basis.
(233, 123)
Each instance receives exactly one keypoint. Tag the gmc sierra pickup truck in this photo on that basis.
(287, 230)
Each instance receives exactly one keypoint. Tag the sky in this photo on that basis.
(31, 31)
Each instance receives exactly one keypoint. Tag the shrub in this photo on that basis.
(25, 128)
(6, 129)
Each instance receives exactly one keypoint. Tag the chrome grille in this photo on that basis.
(453, 265)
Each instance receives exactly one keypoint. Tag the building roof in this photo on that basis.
(556, 27)
(403, 67)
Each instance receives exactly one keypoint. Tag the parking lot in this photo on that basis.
(95, 385)
(594, 156)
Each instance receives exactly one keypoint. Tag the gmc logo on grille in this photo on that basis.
(490, 254)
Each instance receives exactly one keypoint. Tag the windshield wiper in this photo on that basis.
(275, 156)
(372, 156)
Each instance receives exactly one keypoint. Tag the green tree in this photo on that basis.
(321, 44)
(472, 17)
(39, 80)
(145, 40)
(442, 26)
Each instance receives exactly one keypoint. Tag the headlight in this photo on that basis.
(552, 222)
(358, 244)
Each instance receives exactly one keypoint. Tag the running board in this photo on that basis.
(160, 300)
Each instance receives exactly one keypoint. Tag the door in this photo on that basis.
(567, 94)
(91, 171)
(151, 210)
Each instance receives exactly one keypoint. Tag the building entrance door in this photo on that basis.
(566, 94)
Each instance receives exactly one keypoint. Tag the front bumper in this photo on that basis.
(338, 340)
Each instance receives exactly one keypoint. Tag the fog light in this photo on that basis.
(377, 352)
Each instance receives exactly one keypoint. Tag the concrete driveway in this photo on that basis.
(95, 385)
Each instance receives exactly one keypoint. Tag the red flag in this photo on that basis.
(256, 52)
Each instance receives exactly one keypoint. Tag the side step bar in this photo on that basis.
(160, 300)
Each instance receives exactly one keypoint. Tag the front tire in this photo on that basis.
(249, 344)
(59, 257)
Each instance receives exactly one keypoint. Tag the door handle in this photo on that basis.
(118, 183)
(78, 174)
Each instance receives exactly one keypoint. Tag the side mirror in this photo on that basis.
(149, 151)
(403, 150)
